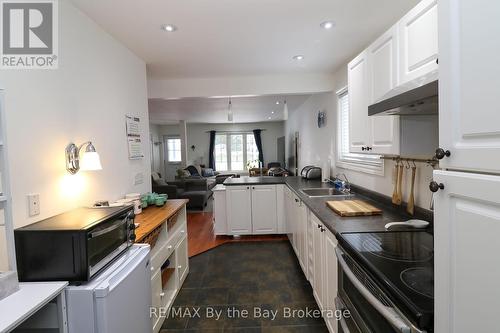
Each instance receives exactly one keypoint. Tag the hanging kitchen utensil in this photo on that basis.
(395, 180)
(410, 208)
(399, 192)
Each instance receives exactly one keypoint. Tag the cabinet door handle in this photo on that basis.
(322, 229)
(248, 187)
(152, 269)
(170, 247)
(368, 148)
(319, 226)
(363, 148)
(441, 153)
(162, 295)
(179, 267)
(434, 186)
(296, 200)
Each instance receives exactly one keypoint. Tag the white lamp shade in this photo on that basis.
(90, 161)
(285, 111)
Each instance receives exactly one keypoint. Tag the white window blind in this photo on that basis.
(369, 163)
(344, 123)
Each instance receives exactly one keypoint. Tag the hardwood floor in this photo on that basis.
(201, 235)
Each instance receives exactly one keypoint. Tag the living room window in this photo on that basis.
(174, 150)
(233, 150)
(368, 163)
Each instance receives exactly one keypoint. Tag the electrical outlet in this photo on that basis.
(34, 204)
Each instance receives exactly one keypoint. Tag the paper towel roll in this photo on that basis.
(325, 170)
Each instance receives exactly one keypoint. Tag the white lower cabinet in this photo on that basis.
(318, 259)
(330, 279)
(220, 218)
(182, 259)
(264, 209)
(239, 210)
(253, 210)
(169, 266)
(157, 290)
(315, 246)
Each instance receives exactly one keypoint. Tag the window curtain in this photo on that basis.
(211, 156)
(258, 142)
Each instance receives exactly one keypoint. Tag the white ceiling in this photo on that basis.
(214, 110)
(245, 37)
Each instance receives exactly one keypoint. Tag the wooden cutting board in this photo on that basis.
(353, 208)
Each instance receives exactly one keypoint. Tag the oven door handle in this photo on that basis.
(110, 228)
(387, 312)
(341, 307)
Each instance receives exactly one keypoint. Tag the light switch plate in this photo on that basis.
(34, 204)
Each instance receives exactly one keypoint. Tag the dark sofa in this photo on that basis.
(197, 190)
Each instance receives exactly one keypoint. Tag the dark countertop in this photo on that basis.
(335, 223)
(246, 180)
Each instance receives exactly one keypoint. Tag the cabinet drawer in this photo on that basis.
(167, 249)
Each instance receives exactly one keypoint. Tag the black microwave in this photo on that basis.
(73, 246)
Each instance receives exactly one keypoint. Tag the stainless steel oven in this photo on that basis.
(369, 307)
(73, 246)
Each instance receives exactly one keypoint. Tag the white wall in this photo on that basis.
(245, 85)
(197, 135)
(98, 82)
(316, 145)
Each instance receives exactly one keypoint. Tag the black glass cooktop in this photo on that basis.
(402, 262)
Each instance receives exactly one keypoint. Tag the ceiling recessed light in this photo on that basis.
(327, 25)
(268, 117)
(169, 27)
(298, 57)
(277, 102)
(272, 112)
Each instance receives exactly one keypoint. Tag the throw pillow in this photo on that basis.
(207, 172)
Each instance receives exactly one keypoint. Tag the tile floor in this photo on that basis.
(255, 277)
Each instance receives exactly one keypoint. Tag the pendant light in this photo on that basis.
(285, 111)
(229, 111)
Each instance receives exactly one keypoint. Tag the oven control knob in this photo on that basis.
(434, 186)
(132, 237)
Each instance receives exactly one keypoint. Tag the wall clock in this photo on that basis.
(321, 118)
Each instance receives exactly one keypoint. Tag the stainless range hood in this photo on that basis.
(419, 101)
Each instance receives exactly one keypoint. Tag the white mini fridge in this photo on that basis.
(117, 300)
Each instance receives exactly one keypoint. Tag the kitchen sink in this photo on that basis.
(323, 192)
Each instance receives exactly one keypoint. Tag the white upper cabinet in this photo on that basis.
(418, 41)
(383, 78)
(402, 58)
(469, 116)
(383, 56)
(357, 76)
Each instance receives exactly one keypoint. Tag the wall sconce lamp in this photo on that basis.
(89, 159)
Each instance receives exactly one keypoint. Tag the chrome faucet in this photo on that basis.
(347, 187)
